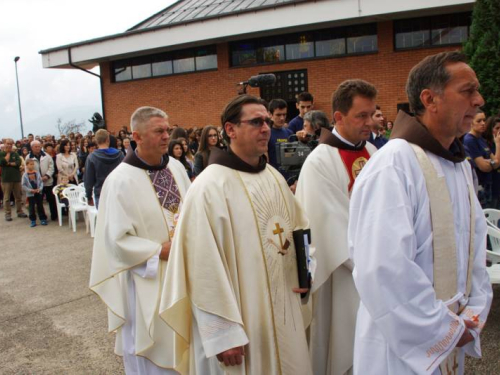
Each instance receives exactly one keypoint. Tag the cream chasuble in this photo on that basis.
(402, 326)
(134, 220)
(323, 191)
(233, 257)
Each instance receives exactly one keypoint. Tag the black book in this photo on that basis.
(300, 237)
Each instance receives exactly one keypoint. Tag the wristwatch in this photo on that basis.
(492, 163)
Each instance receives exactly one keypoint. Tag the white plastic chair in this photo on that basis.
(91, 215)
(492, 216)
(59, 204)
(76, 204)
(494, 273)
(494, 237)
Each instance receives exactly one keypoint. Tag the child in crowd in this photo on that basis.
(59, 189)
(33, 186)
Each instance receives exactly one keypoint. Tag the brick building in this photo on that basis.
(188, 58)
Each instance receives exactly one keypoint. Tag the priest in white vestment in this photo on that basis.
(139, 208)
(231, 288)
(325, 184)
(417, 234)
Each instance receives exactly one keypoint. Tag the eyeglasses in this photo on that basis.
(258, 122)
(212, 136)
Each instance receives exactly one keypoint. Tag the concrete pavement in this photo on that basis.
(51, 323)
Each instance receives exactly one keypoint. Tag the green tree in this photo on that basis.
(483, 50)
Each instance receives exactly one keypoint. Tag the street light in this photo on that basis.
(16, 59)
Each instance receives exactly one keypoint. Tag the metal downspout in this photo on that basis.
(94, 74)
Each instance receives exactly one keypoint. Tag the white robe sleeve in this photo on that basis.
(479, 302)
(149, 269)
(394, 289)
(218, 334)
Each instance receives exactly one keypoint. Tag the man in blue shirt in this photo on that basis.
(305, 103)
(279, 134)
(378, 123)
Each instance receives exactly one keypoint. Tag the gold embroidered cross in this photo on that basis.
(358, 166)
(283, 247)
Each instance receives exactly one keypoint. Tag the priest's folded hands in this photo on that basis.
(467, 335)
(232, 357)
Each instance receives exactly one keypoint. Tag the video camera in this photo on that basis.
(291, 155)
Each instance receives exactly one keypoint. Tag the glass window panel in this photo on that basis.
(361, 44)
(243, 54)
(123, 73)
(162, 68)
(271, 50)
(300, 47)
(184, 65)
(330, 47)
(413, 39)
(141, 71)
(206, 62)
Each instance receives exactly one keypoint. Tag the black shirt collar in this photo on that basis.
(328, 138)
(132, 159)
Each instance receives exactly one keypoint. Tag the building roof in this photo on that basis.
(184, 11)
(190, 23)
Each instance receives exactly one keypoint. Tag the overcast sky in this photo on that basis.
(28, 26)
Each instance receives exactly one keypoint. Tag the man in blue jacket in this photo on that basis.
(99, 165)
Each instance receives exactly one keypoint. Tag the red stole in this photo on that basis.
(354, 161)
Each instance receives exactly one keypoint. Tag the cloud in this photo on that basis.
(28, 26)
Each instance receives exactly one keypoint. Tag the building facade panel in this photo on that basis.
(197, 99)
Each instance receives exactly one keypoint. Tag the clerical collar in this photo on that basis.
(334, 139)
(134, 160)
(231, 160)
(410, 129)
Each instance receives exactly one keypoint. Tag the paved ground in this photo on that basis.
(50, 323)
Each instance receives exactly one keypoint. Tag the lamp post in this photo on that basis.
(16, 59)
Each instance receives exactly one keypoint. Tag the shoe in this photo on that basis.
(22, 214)
(8, 218)
(33, 223)
(43, 222)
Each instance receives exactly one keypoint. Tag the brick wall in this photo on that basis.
(197, 99)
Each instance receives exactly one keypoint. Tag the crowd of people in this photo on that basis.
(242, 272)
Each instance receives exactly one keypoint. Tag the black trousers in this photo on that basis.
(37, 201)
(51, 200)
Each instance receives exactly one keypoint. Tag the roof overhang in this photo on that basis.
(299, 16)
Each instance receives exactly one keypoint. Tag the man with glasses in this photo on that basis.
(232, 286)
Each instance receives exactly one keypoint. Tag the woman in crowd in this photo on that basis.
(388, 130)
(178, 133)
(122, 134)
(125, 145)
(491, 134)
(82, 155)
(208, 140)
(187, 151)
(194, 140)
(74, 148)
(176, 150)
(485, 162)
(67, 163)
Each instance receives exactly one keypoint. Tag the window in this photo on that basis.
(122, 72)
(362, 39)
(300, 46)
(330, 42)
(339, 41)
(424, 32)
(141, 68)
(164, 64)
(206, 58)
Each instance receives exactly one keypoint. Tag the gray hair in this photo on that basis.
(35, 142)
(317, 119)
(430, 73)
(142, 115)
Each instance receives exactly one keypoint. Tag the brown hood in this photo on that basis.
(231, 160)
(328, 138)
(132, 159)
(410, 129)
